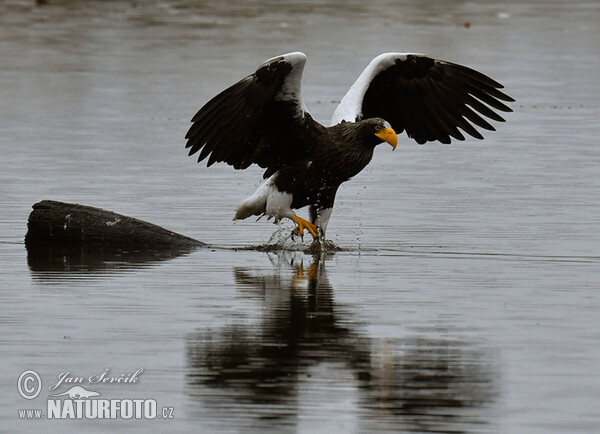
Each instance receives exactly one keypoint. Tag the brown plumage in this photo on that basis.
(262, 120)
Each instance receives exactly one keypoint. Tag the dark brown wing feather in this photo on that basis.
(258, 120)
(429, 99)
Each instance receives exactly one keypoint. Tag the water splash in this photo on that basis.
(283, 240)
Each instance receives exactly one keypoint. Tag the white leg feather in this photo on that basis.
(322, 219)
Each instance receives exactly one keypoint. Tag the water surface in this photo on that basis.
(465, 294)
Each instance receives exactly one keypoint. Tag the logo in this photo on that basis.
(105, 377)
(78, 402)
(26, 389)
(78, 392)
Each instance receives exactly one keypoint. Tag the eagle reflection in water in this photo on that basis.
(305, 353)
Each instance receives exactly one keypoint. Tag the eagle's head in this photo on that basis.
(376, 130)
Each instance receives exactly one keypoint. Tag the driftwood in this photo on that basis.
(71, 237)
(53, 222)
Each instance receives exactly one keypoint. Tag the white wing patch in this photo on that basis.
(350, 107)
(292, 85)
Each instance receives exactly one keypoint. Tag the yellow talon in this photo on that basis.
(303, 224)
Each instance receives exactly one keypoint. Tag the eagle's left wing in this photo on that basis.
(429, 99)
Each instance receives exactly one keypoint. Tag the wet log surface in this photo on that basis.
(53, 222)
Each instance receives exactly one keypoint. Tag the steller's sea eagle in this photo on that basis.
(262, 120)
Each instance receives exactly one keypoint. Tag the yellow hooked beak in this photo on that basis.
(388, 135)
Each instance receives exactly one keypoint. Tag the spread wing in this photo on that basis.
(261, 119)
(429, 99)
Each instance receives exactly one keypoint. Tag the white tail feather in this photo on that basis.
(267, 199)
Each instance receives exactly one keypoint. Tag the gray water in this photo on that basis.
(465, 294)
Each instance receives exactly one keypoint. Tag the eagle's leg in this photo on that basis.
(320, 218)
(303, 224)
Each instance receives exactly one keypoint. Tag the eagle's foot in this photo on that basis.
(303, 224)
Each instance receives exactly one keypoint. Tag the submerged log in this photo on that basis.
(69, 223)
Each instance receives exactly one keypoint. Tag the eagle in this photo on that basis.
(262, 119)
